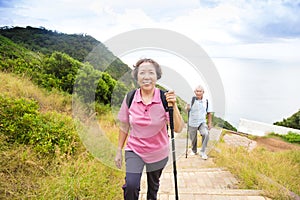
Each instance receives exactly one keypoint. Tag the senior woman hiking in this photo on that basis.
(143, 126)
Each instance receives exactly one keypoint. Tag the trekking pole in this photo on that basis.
(187, 135)
(170, 107)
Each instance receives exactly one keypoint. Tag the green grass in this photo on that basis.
(289, 137)
(21, 87)
(26, 174)
(83, 178)
(277, 174)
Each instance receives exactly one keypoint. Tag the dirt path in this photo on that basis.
(274, 144)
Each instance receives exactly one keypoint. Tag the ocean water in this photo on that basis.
(260, 90)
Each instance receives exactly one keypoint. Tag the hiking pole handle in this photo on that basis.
(171, 116)
(170, 108)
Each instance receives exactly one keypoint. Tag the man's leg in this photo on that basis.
(193, 137)
(205, 137)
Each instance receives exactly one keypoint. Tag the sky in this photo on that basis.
(237, 35)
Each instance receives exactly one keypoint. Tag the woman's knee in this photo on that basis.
(133, 181)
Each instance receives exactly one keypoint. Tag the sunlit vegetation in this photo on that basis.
(42, 152)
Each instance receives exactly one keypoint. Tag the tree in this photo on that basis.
(62, 67)
(291, 122)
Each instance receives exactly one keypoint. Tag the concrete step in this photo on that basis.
(198, 184)
(205, 197)
(197, 178)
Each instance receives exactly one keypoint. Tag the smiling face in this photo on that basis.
(146, 76)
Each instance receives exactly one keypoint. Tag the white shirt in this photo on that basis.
(198, 112)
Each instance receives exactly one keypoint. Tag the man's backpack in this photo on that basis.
(130, 95)
(193, 100)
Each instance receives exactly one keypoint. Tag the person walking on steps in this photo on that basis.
(143, 126)
(200, 119)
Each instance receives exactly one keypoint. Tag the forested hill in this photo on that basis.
(56, 60)
(81, 47)
(47, 41)
(59, 71)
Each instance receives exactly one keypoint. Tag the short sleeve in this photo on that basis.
(123, 115)
(210, 107)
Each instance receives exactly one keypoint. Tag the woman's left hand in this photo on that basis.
(171, 97)
(178, 121)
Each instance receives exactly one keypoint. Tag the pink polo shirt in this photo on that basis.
(148, 135)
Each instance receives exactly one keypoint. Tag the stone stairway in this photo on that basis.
(198, 179)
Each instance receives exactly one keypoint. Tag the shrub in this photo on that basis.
(290, 137)
(291, 122)
(22, 123)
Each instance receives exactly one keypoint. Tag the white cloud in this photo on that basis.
(257, 31)
(279, 50)
(207, 21)
(207, 25)
(265, 20)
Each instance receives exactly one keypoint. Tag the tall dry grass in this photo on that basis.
(21, 87)
(26, 175)
(276, 173)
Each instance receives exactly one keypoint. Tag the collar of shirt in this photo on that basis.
(155, 99)
(201, 100)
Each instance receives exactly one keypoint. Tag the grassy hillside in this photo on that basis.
(59, 71)
(273, 166)
(53, 69)
(41, 151)
(41, 154)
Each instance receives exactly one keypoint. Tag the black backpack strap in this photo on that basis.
(193, 101)
(129, 98)
(206, 105)
(164, 100)
(165, 104)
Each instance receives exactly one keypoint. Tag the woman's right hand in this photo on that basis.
(118, 158)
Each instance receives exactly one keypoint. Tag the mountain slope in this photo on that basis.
(46, 41)
(59, 70)
(81, 47)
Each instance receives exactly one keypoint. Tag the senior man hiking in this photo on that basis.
(200, 119)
